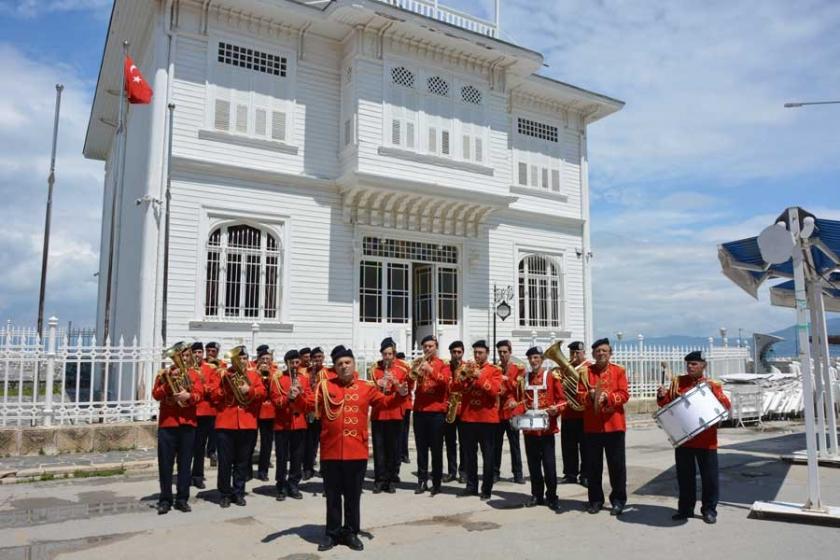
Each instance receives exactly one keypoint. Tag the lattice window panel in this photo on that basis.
(402, 76)
(438, 86)
(409, 250)
(469, 94)
(252, 59)
(535, 129)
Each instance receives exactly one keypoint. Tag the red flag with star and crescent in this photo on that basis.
(137, 89)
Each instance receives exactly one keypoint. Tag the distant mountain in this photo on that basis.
(786, 347)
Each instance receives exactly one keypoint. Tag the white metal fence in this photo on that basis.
(76, 379)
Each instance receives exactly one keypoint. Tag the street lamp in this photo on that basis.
(796, 104)
(502, 309)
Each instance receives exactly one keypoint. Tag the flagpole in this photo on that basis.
(165, 294)
(50, 184)
(118, 180)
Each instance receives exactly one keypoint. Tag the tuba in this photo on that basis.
(236, 376)
(180, 380)
(567, 374)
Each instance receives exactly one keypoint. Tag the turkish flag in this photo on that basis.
(137, 89)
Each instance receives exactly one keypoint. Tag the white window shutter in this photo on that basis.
(465, 149)
(433, 140)
(555, 180)
(444, 142)
(479, 149)
(278, 126)
(221, 118)
(395, 132)
(523, 174)
(260, 120)
(242, 119)
(409, 134)
(545, 178)
(535, 177)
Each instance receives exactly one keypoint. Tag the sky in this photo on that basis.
(702, 153)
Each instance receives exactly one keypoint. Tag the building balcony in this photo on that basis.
(432, 9)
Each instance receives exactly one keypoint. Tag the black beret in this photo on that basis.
(197, 346)
(212, 345)
(456, 344)
(428, 338)
(316, 350)
(401, 355)
(480, 344)
(305, 350)
(600, 342)
(262, 347)
(696, 356)
(291, 355)
(262, 352)
(342, 353)
(534, 351)
(338, 349)
(504, 342)
(576, 345)
(243, 351)
(387, 343)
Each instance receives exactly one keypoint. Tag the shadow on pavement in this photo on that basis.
(309, 532)
(650, 515)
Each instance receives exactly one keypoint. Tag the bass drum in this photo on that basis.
(691, 413)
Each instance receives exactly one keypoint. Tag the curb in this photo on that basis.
(66, 472)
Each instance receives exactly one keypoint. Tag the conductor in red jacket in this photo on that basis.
(700, 450)
(342, 403)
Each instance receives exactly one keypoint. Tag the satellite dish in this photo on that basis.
(776, 244)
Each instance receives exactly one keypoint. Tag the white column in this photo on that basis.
(50, 377)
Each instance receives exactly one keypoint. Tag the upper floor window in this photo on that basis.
(252, 59)
(535, 129)
(540, 292)
(402, 76)
(438, 86)
(537, 155)
(243, 273)
(469, 94)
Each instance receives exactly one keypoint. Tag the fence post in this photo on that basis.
(709, 357)
(255, 328)
(50, 378)
(533, 338)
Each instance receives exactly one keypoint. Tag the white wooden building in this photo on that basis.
(341, 171)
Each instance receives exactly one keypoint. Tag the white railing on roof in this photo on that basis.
(432, 9)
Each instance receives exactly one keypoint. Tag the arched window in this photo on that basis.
(540, 292)
(243, 273)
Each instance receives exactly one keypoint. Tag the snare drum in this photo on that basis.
(532, 420)
(691, 413)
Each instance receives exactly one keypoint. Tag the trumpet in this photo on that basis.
(180, 380)
(236, 376)
(416, 368)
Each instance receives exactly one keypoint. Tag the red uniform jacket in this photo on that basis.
(208, 375)
(708, 438)
(550, 396)
(343, 410)
(231, 416)
(267, 410)
(510, 393)
(172, 415)
(613, 382)
(394, 410)
(569, 412)
(480, 401)
(290, 414)
(431, 391)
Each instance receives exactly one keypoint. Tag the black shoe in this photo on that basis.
(583, 481)
(568, 480)
(466, 493)
(307, 475)
(295, 494)
(199, 483)
(421, 487)
(435, 489)
(214, 462)
(224, 502)
(163, 508)
(405, 460)
(497, 478)
(680, 516)
(484, 496)
(594, 508)
(534, 501)
(262, 476)
(389, 488)
(617, 510)
(327, 544)
(240, 501)
(519, 479)
(449, 478)
(396, 480)
(461, 479)
(182, 505)
(353, 542)
(553, 504)
(709, 518)
(377, 488)
(281, 494)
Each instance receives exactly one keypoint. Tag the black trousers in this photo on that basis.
(404, 438)
(610, 444)
(707, 462)
(201, 448)
(343, 490)
(477, 435)
(572, 447)
(266, 429)
(289, 446)
(313, 438)
(175, 444)
(505, 427)
(386, 448)
(211, 440)
(541, 465)
(428, 436)
(235, 451)
(454, 461)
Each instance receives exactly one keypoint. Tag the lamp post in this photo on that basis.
(797, 104)
(501, 309)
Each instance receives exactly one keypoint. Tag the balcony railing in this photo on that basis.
(432, 9)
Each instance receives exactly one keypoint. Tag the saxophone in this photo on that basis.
(465, 371)
(236, 376)
(180, 380)
(567, 374)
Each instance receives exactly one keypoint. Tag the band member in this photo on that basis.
(289, 426)
(571, 428)
(454, 454)
(431, 397)
(305, 354)
(480, 386)
(386, 421)
(539, 444)
(604, 396)
(238, 394)
(205, 415)
(178, 389)
(342, 402)
(313, 428)
(700, 450)
(211, 350)
(406, 426)
(512, 373)
(265, 368)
